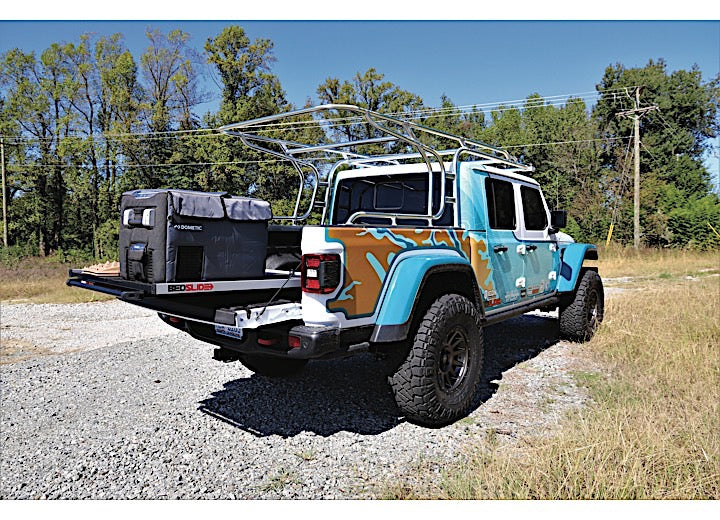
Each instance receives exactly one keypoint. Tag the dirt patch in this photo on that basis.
(30, 330)
(14, 350)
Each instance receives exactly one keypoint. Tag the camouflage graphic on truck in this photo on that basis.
(370, 252)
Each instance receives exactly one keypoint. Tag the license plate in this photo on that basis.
(230, 332)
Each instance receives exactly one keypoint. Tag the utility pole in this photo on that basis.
(4, 189)
(637, 113)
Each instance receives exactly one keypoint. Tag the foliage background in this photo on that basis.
(87, 120)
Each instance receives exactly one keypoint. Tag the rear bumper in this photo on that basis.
(315, 342)
(318, 342)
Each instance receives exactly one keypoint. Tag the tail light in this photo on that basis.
(320, 273)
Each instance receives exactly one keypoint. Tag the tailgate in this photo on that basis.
(207, 301)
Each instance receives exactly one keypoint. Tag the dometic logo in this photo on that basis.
(190, 287)
(187, 227)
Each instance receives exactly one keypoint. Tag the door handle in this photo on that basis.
(500, 249)
(531, 248)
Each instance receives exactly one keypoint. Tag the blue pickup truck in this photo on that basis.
(418, 248)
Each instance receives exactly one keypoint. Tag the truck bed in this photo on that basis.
(212, 301)
(206, 301)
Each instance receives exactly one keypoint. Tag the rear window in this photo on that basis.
(533, 209)
(500, 204)
(396, 194)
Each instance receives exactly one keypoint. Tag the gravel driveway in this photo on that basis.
(103, 400)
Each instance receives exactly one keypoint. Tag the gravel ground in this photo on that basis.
(135, 409)
(28, 330)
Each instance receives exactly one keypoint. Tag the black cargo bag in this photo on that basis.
(183, 236)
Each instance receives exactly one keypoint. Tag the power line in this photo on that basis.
(151, 136)
(673, 132)
(555, 100)
(427, 113)
(567, 142)
(476, 107)
(287, 126)
(158, 165)
(648, 151)
(33, 165)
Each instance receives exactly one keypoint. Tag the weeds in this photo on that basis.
(277, 482)
(653, 431)
(306, 455)
(41, 280)
(658, 263)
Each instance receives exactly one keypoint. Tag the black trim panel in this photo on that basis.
(504, 314)
(315, 342)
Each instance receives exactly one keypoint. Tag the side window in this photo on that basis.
(533, 209)
(501, 204)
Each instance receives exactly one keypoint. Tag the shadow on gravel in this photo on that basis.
(352, 394)
(326, 397)
(512, 342)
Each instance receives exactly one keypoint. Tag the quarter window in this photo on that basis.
(533, 209)
(501, 204)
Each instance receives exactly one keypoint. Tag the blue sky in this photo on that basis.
(471, 62)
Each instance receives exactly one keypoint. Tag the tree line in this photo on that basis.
(85, 121)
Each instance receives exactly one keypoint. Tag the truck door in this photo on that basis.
(503, 223)
(539, 251)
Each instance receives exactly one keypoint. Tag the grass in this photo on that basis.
(279, 480)
(306, 455)
(653, 431)
(656, 263)
(41, 280)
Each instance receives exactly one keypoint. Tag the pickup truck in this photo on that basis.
(419, 247)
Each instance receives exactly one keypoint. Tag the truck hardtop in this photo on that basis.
(419, 246)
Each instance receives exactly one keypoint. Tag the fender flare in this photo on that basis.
(405, 288)
(571, 263)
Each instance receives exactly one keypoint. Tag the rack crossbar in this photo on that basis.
(393, 129)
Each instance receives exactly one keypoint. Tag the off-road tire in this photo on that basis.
(580, 319)
(425, 387)
(271, 366)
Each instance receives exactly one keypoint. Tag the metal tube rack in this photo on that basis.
(406, 132)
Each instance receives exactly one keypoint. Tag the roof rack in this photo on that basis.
(392, 130)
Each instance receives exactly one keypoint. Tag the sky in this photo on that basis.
(472, 62)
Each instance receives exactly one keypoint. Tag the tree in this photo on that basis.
(368, 90)
(559, 142)
(36, 102)
(118, 107)
(249, 91)
(674, 138)
(449, 118)
(171, 92)
(83, 120)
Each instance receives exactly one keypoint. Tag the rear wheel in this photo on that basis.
(580, 319)
(271, 366)
(436, 383)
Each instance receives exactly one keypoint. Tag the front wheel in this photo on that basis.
(436, 383)
(271, 366)
(580, 319)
